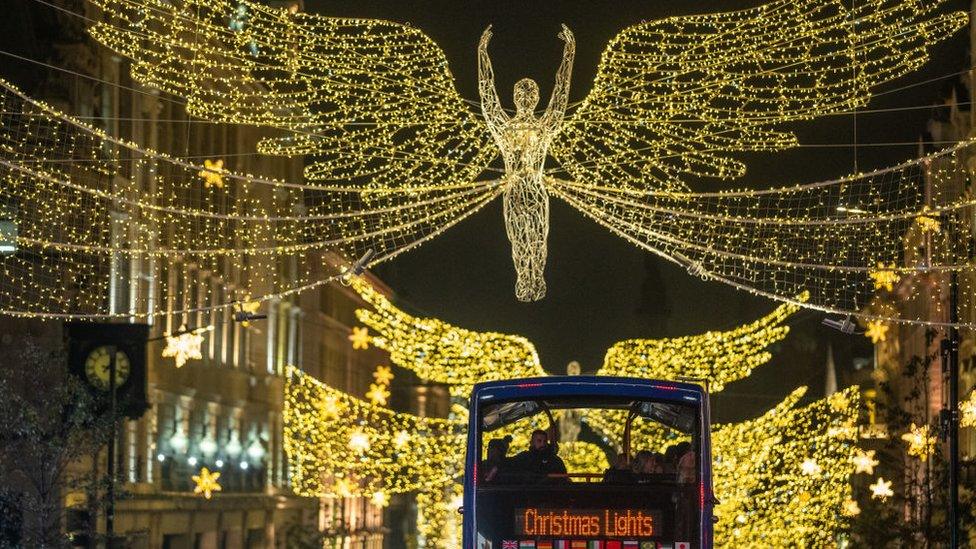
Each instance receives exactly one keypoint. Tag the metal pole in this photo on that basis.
(110, 500)
(953, 359)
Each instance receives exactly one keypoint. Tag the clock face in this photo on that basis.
(97, 368)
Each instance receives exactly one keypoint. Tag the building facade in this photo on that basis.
(223, 411)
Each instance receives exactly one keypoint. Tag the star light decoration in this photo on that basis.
(213, 173)
(206, 482)
(185, 346)
(881, 489)
(850, 508)
(885, 277)
(672, 100)
(967, 411)
(920, 441)
(876, 331)
(410, 453)
(360, 338)
(864, 462)
(379, 391)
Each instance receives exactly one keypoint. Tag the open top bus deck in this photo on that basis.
(619, 508)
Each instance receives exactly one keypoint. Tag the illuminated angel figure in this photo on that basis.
(374, 105)
(524, 143)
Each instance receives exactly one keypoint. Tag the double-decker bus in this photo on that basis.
(664, 501)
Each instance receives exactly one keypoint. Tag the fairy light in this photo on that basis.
(331, 436)
(375, 103)
(719, 357)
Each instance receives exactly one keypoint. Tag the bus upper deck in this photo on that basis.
(656, 491)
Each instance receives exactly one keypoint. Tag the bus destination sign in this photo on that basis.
(534, 521)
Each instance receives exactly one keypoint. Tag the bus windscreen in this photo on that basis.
(642, 491)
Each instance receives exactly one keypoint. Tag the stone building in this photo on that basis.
(223, 411)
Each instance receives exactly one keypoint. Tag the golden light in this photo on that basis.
(877, 331)
(383, 375)
(358, 441)
(920, 441)
(864, 462)
(206, 482)
(884, 277)
(850, 508)
(967, 411)
(380, 499)
(810, 467)
(185, 346)
(378, 394)
(213, 173)
(360, 338)
(881, 489)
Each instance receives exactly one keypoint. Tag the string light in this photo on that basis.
(206, 482)
(719, 357)
(334, 441)
(375, 103)
(850, 508)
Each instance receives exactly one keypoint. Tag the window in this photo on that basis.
(8, 229)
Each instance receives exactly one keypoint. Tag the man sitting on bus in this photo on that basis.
(540, 460)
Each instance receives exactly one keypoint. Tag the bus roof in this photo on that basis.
(588, 386)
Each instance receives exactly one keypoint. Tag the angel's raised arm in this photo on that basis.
(560, 91)
(491, 107)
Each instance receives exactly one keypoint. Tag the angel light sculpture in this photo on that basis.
(524, 141)
(396, 155)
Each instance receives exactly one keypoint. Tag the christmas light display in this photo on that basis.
(718, 357)
(443, 353)
(920, 441)
(83, 205)
(864, 462)
(967, 411)
(782, 478)
(338, 443)
(881, 489)
(672, 100)
(185, 346)
(206, 482)
(440, 352)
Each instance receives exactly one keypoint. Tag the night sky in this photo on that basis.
(600, 288)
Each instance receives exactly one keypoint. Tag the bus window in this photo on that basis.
(641, 484)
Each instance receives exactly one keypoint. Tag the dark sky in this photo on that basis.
(600, 288)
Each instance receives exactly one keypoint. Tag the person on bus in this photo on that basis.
(620, 472)
(495, 467)
(540, 460)
(673, 455)
(686, 467)
(648, 463)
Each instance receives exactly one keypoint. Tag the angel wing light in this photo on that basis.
(674, 99)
